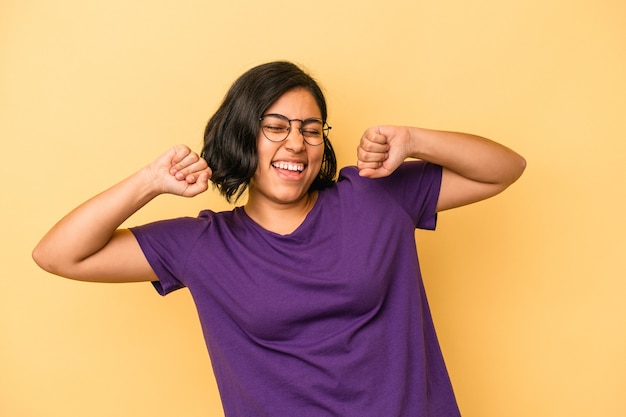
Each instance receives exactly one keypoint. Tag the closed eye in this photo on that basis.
(311, 132)
(277, 128)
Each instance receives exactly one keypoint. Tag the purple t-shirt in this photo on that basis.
(330, 320)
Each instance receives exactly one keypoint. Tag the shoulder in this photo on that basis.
(182, 227)
(349, 176)
(413, 188)
(410, 172)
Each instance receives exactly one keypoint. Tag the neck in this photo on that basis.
(280, 218)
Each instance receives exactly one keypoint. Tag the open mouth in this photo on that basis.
(289, 166)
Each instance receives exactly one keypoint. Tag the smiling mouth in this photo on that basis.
(289, 166)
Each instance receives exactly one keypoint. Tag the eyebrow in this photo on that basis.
(310, 119)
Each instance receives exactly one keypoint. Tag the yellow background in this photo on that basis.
(527, 289)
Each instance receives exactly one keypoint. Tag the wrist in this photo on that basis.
(146, 183)
(414, 143)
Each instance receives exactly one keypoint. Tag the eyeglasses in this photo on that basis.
(276, 128)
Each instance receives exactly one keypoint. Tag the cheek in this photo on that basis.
(318, 155)
(265, 151)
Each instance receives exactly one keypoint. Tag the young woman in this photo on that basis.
(309, 295)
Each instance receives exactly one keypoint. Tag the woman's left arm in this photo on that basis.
(474, 168)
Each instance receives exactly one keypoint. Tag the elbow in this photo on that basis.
(38, 255)
(45, 260)
(521, 166)
(511, 169)
(518, 168)
(509, 173)
(54, 261)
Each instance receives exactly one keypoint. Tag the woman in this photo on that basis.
(310, 295)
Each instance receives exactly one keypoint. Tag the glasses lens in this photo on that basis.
(275, 128)
(313, 131)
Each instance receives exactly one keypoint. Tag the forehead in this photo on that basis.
(296, 104)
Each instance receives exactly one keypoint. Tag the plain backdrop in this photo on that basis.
(526, 289)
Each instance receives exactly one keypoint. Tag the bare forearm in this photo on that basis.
(89, 227)
(474, 168)
(87, 244)
(469, 156)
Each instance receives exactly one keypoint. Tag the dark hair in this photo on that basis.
(230, 147)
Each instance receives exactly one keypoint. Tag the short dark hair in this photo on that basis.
(230, 147)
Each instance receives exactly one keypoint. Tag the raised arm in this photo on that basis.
(88, 245)
(474, 168)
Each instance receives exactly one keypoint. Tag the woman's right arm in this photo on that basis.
(88, 245)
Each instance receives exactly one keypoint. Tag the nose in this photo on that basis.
(295, 140)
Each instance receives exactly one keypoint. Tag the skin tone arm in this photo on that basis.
(474, 168)
(88, 245)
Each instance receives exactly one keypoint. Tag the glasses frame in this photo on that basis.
(325, 128)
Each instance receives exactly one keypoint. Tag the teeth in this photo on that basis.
(289, 166)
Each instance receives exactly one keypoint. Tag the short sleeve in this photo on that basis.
(166, 245)
(414, 186)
